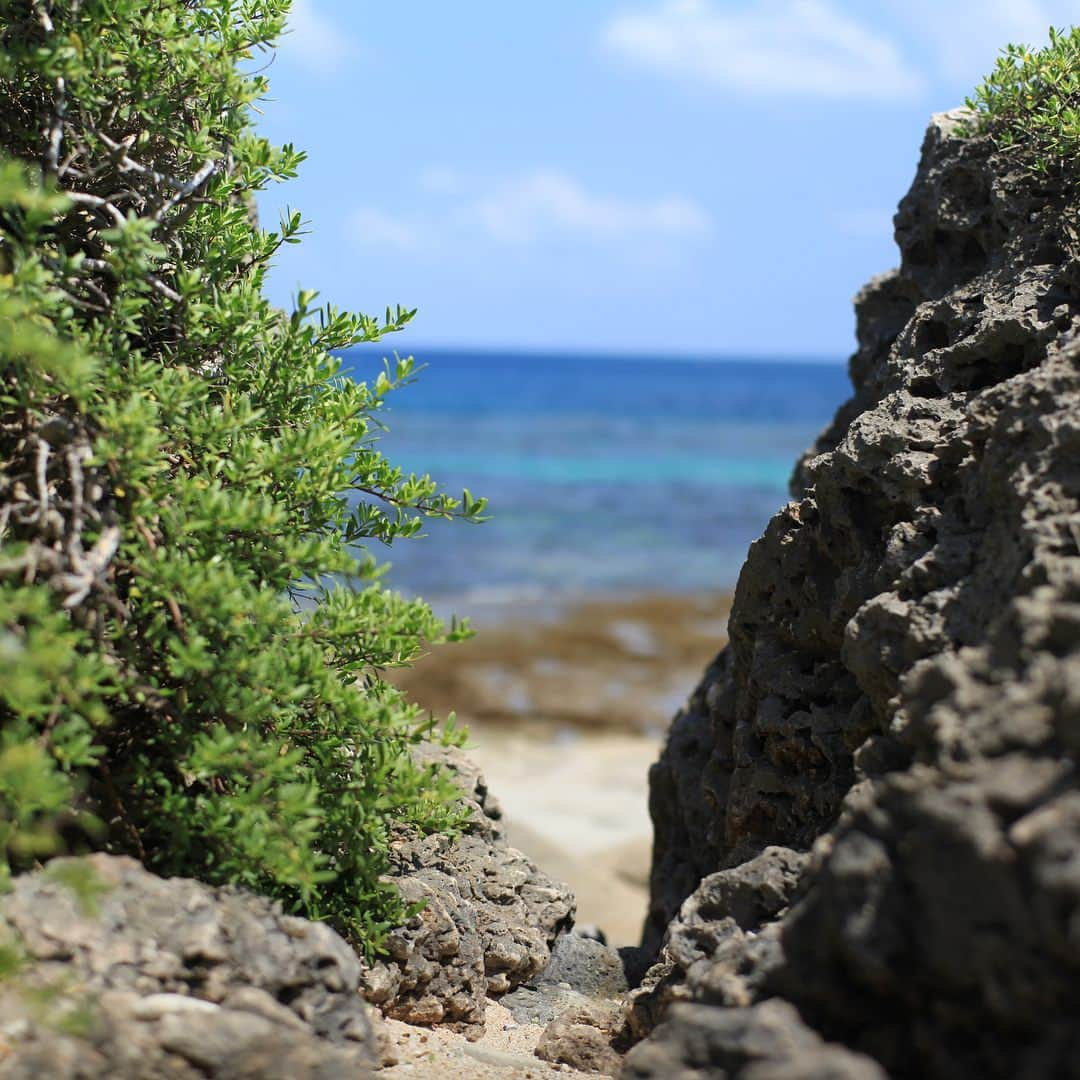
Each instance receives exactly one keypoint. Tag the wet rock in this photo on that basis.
(172, 978)
(900, 698)
(489, 920)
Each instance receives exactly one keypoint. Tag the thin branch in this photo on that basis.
(41, 464)
(74, 457)
(88, 569)
(83, 199)
(43, 17)
(56, 132)
(429, 509)
(120, 812)
(164, 289)
(188, 189)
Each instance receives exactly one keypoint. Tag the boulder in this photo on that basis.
(767, 1041)
(900, 699)
(582, 972)
(126, 975)
(489, 920)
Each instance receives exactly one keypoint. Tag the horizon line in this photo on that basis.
(604, 353)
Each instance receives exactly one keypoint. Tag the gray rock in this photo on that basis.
(581, 972)
(586, 965)
(542, 1004)
(489, 920)
(172, 978)
(723, 943)
(901, 691)
(584, 1037)
(767, 1041)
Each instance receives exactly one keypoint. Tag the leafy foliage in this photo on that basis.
(190, 643)
(1030, 106)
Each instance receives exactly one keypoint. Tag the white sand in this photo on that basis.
(578, 805)
(505, 1050)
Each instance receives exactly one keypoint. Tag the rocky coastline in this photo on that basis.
(866, 857)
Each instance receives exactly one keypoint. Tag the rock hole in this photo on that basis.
(932, 334)
(988, 369)
(287, 994)
(926, 387)
(1049, 251)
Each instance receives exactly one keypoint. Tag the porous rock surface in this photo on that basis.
(489, 920)
(900, 697)
(581, 972)
(763, 1042)
(723, 942)
(146, 977)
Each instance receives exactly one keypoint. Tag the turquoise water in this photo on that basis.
(605, 474)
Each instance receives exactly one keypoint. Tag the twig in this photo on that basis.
(164, 289)
(185, 190)
(50, 721)
(75, 474)
(43, 17)
(182, 188)
(56, 132)
(41, 464)
(88, 568)
(82, 198)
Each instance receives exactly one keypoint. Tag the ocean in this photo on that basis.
(605, 475)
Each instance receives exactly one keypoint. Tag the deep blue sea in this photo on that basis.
(605, 474)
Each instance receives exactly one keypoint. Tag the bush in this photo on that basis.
(1030, 106)
(190, 643)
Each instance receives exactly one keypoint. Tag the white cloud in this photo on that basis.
(767, 47)
(964, 45)
(524, 209)
(376, 229)
(531, 205)
(316, 41)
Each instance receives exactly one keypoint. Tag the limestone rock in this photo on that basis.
(582, 971)
(767, 1041)
(172, 978)
(901, 692)
(587, 965)
(723, 942)
(583, 1037)
(490, 918)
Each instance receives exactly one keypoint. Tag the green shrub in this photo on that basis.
(1030, 106)
(190, 643)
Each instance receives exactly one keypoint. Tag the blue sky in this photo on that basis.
(656, 176)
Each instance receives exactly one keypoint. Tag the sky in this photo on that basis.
(675, 177)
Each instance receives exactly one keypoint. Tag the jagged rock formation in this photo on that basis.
(901, 692)
(723, 942)
(135, 976)
(489, 920)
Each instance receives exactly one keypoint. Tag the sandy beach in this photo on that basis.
(566, 712)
